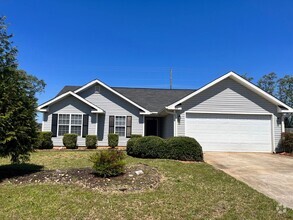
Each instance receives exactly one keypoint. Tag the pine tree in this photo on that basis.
(18, 133)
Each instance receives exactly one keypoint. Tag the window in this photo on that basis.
(63, 124)
(69, 123)
(120, 123)
(76, 122)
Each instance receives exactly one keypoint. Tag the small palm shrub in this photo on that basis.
(113, 140)
(108, 163)
(70, 141)
(91, 141)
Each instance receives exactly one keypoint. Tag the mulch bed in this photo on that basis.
(86, 178)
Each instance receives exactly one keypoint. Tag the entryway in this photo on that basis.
(151, 126)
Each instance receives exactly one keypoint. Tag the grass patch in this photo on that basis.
(190, 191)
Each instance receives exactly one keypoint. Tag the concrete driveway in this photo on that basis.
(269, 174)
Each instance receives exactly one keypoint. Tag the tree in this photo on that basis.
(248, 78)
(18, 127)
(285, 90)
(268, 83)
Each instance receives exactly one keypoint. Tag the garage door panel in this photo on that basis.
(239, 133)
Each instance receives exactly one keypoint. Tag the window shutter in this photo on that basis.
(85, 125)
(54, 125)
(111, 124)
(129, 126)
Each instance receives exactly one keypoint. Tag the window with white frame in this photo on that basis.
(69, 123)
(120, 125)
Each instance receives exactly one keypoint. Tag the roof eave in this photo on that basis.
(112, 90)
(240, 80)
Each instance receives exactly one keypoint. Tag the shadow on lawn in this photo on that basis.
(16, 170)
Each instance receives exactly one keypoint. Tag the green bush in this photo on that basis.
(135, 136)
(45, 140)
(183, 148)
(146, 147)
(132, 146)
(70, 141)
(91, 141)
(107, 163)
(177, 148)
(113, 140)
(287, 142)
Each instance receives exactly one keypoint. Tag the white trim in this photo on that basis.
(227, 113)
(43, 122)
(112, 90)
(175, 124)
(273, 133)
(97, 119)
(282, 124)
(66, 94)
(143, 125)
(69, 130)
(240, 80)
(125, 126)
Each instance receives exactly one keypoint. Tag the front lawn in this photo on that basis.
(188, 191)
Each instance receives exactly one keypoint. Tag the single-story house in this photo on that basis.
(228, 114)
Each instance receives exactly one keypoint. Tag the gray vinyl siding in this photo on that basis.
(112, 105)
(168, 126)
(69, 105)
(228, 96)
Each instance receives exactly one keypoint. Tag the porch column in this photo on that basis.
(282, 123)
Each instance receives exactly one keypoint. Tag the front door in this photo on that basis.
(151, 126)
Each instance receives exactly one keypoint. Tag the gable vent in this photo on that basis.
(97, 89)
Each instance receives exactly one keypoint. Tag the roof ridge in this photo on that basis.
(120, 87)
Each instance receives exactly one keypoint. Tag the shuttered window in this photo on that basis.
(120, 122)
(68, 123)
(120, 125)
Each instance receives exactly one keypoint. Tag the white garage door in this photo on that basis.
(230, 133)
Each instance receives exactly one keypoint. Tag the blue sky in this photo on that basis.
(134, 43)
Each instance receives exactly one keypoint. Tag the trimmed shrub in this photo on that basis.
(177, 148)
(91, 141)
(136, 136)
(113, 140)
(45, 140)
(70, 141)
(132, 146)
(287, 142)
(107, 163)
(147, 147)
(183, 148)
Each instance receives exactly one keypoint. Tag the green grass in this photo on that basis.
(189, 191)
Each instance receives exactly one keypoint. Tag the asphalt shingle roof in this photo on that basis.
(151, 99)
